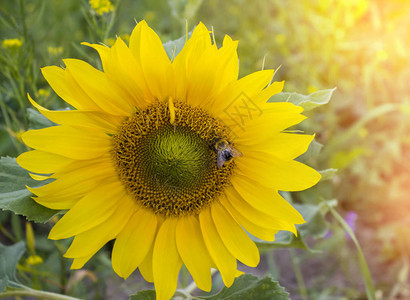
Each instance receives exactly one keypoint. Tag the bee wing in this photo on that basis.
(220, 160)
(235, 152)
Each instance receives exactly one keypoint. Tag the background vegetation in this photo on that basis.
(359, 46)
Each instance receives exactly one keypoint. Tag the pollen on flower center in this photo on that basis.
(171, 168)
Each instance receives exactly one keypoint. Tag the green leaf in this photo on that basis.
(327, 174)
(317, 225)
(9, 257)
(172, 48)
(251, 287)
(308, 102)
(283, 239)
(37, 120)
(16, 197)
(143, 295)
(314, 216)
(312, 152)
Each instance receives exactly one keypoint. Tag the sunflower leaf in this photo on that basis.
(283, 239)
(14, 195)
(251, 287)
(37, 120)
(172, 48)
(9, 257)
(327, 174)
(308, 102)
(311, 153)
(143, 295)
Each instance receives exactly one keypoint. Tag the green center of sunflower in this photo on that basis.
(171, 169)
(177, 157)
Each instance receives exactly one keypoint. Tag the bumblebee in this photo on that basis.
(225, 152)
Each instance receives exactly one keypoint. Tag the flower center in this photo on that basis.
(171, 168)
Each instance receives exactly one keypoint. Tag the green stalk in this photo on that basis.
(23, 18)
(187, 291)
(299, 276)
(35, 293)
(370, 291)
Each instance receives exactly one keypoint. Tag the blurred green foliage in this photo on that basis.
(361, 47)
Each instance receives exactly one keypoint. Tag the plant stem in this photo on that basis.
(370, 291)
(186, 292)
(35, 293)
(23, 17)
(299, 276)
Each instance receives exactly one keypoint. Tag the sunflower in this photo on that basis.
(177, 160)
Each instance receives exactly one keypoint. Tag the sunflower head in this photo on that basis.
(167, 161)
(178, 161)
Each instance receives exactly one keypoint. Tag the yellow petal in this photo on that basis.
(166, 261)
(98, 167)
(228, 69)
(273, 89)
(211, 73)
(96, 207)
(74, 181)
(105, 93)
(135, 43)
(80, 177)
(239, 94)
(274, 220)
(93, 119)
(282, 145)
(223, 259)
(79, 262)
(191, 247)
(42, 162)
(155, 63)
(264, 233)
(266, 200)
(276, 173)
(90, 241)
(120, 66)
(202, 78)
(194, 48)
(146, 266)
(71, 142)
(134, 242)
(189, 55)
(234, 237)
(263, 127)
(103, 51)
(38, 177)
(66, 87)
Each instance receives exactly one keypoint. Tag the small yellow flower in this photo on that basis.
(174, 159)
(311, 89)
(31, 241)
(44, 92)
(34, 260)
(109, 41)
(125, 37)
(101, 6)
(280, 39)
(12, 43)
(149, 15)
(55, 50)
